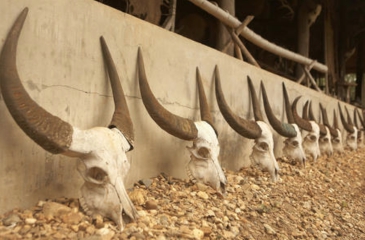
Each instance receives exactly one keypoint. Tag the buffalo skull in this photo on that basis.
(262, 154)
(337, 142)
(351, 130)
(310, 131)
(102, 151)
(324, 141)
(204, 165)
(293, 143)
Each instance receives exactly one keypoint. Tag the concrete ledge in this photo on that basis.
(60, 63)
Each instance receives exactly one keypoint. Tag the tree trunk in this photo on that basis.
(330, 43)
(307, 15)
(342, 50)
(223, 35)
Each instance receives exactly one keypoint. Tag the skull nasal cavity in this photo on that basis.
(97, 174)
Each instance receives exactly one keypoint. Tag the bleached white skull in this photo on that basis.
(293, 147)
(360, 138)
(102, 150)
(325, 143)
(104, 166)
(310, 141)
(293, 143)
(337, 143)
(263, 151)
(203, 165)
(351, 139)
(351, 131)
(335, 133)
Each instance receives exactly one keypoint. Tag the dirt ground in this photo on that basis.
(324, 200)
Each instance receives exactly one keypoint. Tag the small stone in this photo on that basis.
(59, 235)
(25, 229)
(54, 209)
(146, 182)
(269, 229)
(198, 234)
(228, 234)
(201, 186)
(161, 237)
(90, 229)
(207, 230)
(11, 219)
(137, 196)
(74, 228)
(210, 213)
(105, 233)
(151, 204)
(72, 218)
(203, 195)
(30, 221)
(98, 220)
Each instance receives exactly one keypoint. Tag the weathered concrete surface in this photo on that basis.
(61, 66)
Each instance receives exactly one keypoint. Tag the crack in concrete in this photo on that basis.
(162, 101)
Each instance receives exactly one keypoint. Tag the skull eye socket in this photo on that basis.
(98, 174)
(352, 137)
(312, 138)
(336, 140)
(204, 152)
(325, 139)
(263, 146)
(295, 143)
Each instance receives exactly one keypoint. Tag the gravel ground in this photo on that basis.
(324, 200)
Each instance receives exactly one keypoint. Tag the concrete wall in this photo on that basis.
(60, 63)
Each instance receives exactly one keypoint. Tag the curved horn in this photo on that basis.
(248, 129)
(333, 131)
(177, 126)
(305, 111)
(335, 122)
(48, 131)
(347, 126)
(302, 123)
(348, 117)
(310, 111)
(322, 128)
(255, 101)
(283, 129)
(204, 107)
(289, 112)
(121, 118)
(361, 120)
(355, 119)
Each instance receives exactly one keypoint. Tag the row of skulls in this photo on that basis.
(102, 151)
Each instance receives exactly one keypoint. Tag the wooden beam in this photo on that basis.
(251, 36)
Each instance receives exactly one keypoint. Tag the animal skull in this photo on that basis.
(310, 141)
(351, 130)
(293, 143)
(203, 165)
(262, 154)
(337, 143)
(351, 139)
(263, 151)
(335, 133)
(102, 151)
(293, 147)
(325, 143)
